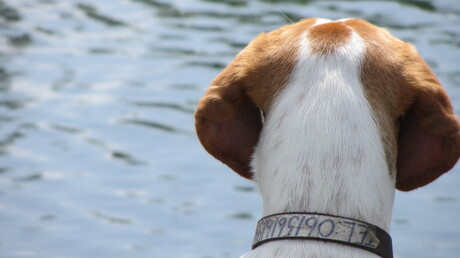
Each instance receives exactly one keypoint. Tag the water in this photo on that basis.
(98, 154)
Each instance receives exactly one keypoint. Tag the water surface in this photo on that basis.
(98, 155)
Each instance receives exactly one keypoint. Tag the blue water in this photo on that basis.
(98, 154)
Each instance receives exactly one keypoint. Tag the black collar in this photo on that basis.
(324, 227)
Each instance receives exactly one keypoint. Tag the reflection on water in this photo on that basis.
(111, 219)
(93, 13)
(97, 145)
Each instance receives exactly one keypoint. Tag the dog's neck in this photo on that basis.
(323, 153)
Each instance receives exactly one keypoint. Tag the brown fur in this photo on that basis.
(227, 118)
(419, 130)
(326, 38)
(401, 87)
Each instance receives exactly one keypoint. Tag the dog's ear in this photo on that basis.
(429, 138)
(228, 125)
(228, 118)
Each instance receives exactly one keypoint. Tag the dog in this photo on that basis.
(328, 118)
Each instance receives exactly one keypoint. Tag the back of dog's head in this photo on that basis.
(419, 129)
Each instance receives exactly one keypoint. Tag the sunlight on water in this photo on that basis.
(97, 145)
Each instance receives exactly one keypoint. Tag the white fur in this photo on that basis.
(344, 19)
(321, 21)
(320, 151)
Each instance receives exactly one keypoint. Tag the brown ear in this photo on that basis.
(429, 138)
(228, 125)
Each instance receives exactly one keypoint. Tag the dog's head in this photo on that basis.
(419, 129)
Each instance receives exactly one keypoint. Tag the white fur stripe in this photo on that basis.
(320, 148)
(321, 21)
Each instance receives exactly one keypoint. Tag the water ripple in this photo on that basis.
(153, 104)
(151, 124)
(94, 14)
(111, 218)
(127, 158)
(8, 13)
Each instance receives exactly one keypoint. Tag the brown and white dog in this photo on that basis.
(329, 117)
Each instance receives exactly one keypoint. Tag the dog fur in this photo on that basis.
(349, 113)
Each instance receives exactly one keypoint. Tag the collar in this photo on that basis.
(324, 227)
